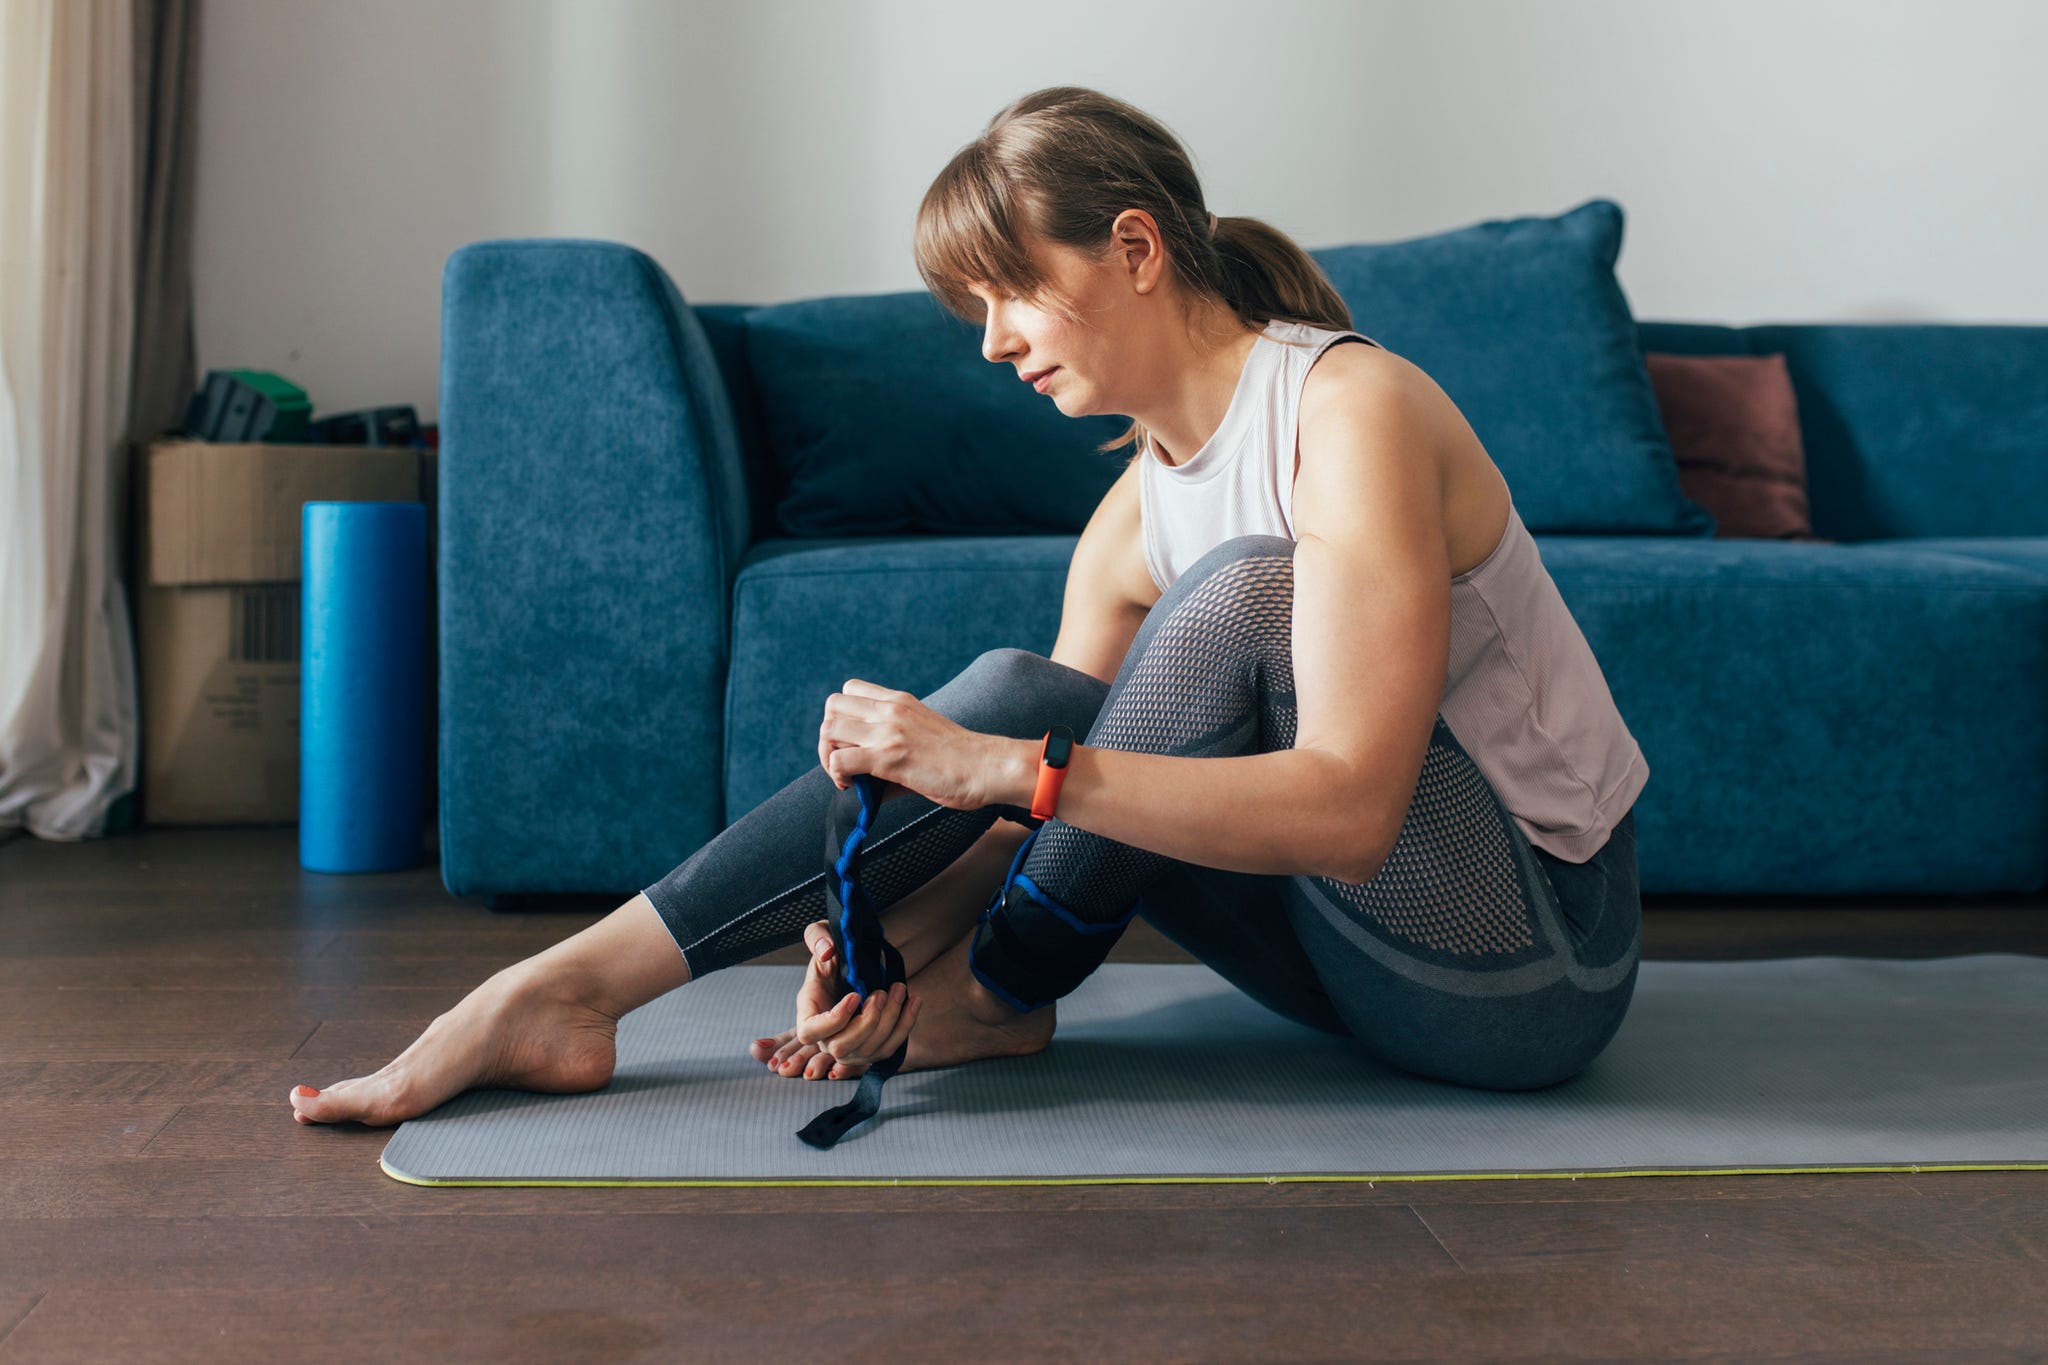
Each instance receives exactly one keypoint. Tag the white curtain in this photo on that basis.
(68, 723)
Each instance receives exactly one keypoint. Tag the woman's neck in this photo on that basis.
(1199, 399)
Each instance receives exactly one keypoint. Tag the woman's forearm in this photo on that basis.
(1284, 812)
(933, 918)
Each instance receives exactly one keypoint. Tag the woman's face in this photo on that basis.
(1030, 339)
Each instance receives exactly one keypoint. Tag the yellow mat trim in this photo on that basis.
(1260, 1179)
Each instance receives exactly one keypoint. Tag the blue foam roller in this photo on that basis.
(362, 702)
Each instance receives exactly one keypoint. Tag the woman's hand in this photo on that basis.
(898, 740)
(825, 1009)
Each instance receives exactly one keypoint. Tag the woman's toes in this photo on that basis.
(366, 1099)
(332, 1105)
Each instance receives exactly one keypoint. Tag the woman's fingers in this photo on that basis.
(821, 987)
(878, 1019)
(900, 1035)
(819, 1027)
(825, 748)
(868, 1054)
(849, 1041)
(818, 938)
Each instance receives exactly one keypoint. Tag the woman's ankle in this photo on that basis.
(928, 922)
(616, 965)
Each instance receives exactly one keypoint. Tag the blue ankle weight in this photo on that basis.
(1014, 965)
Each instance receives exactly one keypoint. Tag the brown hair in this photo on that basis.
(1059, 165)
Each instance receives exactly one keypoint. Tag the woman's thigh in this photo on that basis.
(1472, 956)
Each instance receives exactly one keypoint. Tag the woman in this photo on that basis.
(1309, 575)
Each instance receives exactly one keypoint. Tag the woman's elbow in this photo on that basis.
(1360, 856)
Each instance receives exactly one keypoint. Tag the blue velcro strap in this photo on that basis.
(872, 963)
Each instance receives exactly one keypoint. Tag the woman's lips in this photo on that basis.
(1040, 382)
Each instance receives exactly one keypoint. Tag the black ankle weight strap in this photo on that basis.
(872, 962)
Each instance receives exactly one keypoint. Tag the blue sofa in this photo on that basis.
(654, 562)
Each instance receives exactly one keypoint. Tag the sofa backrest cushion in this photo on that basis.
(1920, 429)
(882, 417)
(1523, 324)
(1910, 429)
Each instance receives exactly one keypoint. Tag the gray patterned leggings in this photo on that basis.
(1471, 956)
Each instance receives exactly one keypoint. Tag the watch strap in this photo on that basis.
(1054, 759)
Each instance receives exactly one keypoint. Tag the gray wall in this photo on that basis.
(1779, 160)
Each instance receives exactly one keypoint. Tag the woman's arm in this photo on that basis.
(1371, 650)
(1275, 813)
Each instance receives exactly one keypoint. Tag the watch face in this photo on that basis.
(1059, 746)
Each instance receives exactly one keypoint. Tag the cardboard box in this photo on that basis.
(218, 624)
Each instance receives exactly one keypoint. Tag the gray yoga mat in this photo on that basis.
(1169, 1073)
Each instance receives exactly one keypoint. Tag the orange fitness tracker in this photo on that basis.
(1052, 771)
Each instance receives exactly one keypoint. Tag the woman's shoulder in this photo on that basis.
(1364, 373)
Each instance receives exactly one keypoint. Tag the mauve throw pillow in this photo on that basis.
(1734, 427)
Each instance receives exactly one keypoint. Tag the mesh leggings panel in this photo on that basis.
(1216, 678)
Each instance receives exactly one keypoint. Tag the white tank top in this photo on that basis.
(1524, 694)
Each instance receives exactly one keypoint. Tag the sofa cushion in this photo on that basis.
(2022, 552)
(1734, 426)
(1920, 429)
(1522, 322)
(884, 418)
(1835, 719)
(905, 612)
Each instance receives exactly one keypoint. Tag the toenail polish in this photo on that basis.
(308, 1091)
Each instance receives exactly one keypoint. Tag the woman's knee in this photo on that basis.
(1026, 692)
(1021, 672)
(1237, 575)
(1232, 551)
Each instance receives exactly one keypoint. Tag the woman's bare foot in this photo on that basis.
(521, 1030)
(950, 1042)
(810, 1062)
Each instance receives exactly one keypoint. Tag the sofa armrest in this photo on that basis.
(593, 510)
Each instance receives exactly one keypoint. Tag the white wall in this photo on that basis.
(1778, 161)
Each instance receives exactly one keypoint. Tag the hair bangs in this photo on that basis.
(967, 235)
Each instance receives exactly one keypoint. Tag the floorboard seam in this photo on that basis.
(23, 1318)
(293, 1055)
(1439, 1241)
(159, 1129)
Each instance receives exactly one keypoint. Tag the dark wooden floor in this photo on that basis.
(161, 991)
